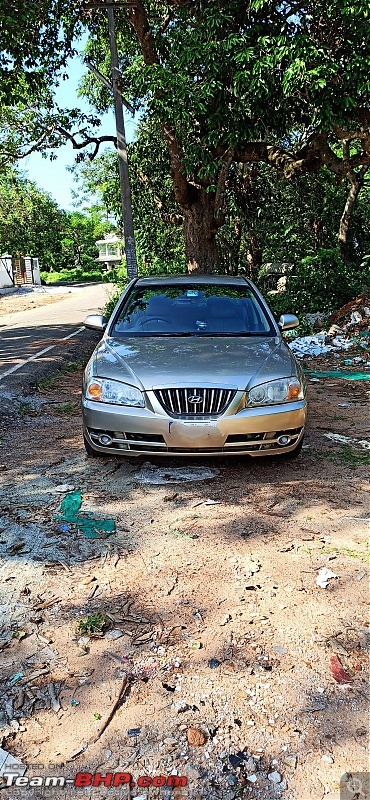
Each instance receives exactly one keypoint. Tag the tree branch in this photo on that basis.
(314, 155)
(31, 149)
(96, 140)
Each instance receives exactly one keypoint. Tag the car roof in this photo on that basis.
(172, 280)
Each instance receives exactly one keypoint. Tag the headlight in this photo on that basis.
(285, 390)
(107, 391)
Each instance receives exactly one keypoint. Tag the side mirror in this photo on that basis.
(95, 322)
(288, 321)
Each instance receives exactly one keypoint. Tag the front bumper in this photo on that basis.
(250, 431)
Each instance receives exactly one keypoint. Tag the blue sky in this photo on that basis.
(53, 175)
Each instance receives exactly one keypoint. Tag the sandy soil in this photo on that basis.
(216, 605)
(10, 304)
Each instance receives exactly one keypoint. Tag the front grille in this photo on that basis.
(195, 402)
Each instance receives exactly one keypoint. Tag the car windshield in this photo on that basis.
(192, 310)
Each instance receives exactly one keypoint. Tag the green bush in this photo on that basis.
(113, 300)
(77, 274)
(321, 282)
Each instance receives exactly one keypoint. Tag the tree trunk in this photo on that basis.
(356, 180)
(254, 256)
(200, 233)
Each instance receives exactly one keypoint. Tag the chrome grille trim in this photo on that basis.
(176, 401)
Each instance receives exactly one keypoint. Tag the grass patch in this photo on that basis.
(50, 382)
(345, 550)
(348, 455)
(73, 366)
(24, 409)
(67, 408)
(47, 383)
(93, 625)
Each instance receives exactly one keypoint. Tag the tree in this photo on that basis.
(79, 232)
(227, 83)
(31, 223)
(267, 218)
(275, 82)
(30, 220)
(36, 39)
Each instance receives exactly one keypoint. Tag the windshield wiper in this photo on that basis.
(232, 335)
(156, 333)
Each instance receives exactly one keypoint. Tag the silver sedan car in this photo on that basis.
(193, 366)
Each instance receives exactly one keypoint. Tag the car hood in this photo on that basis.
(158, 362)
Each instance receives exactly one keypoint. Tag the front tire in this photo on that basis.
(294, 453)
(90, 450)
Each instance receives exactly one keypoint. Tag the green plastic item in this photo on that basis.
(91, 527)
(337, 373)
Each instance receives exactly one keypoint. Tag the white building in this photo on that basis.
(110, 250)
(19, 271)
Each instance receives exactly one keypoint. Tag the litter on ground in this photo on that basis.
(338, 373)
(337, 671)
(85, 521)
(336, 437)
(163, 475)
(318, 345)
(324, 576)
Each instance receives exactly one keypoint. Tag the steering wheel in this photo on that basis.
(150, 320)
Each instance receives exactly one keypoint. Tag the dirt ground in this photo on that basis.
(210, 590)
(11, 303)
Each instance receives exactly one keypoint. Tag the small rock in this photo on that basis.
(253, 566)
(327, 758)
(334, 330)
(195, 737)
(280, 650)
(213, 662)
(250, 765)
(225, 619)
(114, 634)
(252, 778)
(274, 777)
(237, 759)
(180, 705)
(63, 487)
(290, 761)
(133, 731)
(232, 780)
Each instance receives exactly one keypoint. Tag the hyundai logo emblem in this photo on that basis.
(195, 398)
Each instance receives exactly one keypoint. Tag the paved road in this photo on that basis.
(28, 338)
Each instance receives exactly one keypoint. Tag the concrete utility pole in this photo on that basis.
(128, 227)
